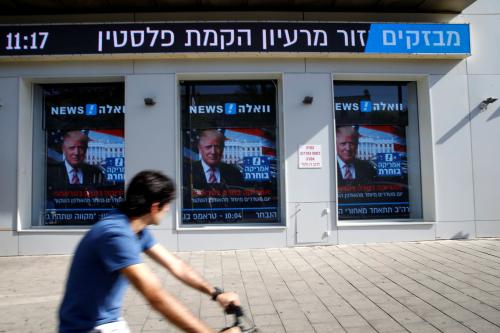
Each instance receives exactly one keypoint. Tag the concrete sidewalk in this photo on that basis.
(435, 286)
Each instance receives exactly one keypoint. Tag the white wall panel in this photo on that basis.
(150, 131)
(167, 238)
(231, 239)
(485, 48)
(455, 230)
(485, 138)
(453, 156)
(481, 7)
(308, 124)
(221, 65)
(386, 66)
(8, 243)
(66, 69)
(488, 228)
(46, 243)
(9, 93)
(384, 233)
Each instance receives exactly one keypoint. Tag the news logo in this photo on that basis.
(366, 106)
(230, 108)
(91, 109)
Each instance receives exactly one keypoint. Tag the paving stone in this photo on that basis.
(385, 325)
(327, 328)
(481, 325)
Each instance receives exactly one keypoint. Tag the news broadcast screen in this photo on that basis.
(229, 149)
(372, 156)
(85, 160)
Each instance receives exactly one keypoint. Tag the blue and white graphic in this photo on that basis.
(115, 169)
(418, 38)
(366, 106)
(256, 169)
(389, 165)
(230, 108)
(91, 109)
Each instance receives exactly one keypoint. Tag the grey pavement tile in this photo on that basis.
(386, 325)
(327, 328)
(341, 310)
(292, 314)
(441, 321)
(267, 309)
(456, 329)
(361, 329)
(406, 317)
(266, 320)
(421, 327)
(459, 313)
(272, 329)
(351, 321)
(481, 325)
(297, 325)
(317, 317)
(155, 324)
(373, 314)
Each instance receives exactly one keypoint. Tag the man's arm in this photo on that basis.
(186, 274)
(148, 284)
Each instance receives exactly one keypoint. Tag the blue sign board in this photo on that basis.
(418, 39)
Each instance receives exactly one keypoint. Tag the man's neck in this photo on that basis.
(138, 223)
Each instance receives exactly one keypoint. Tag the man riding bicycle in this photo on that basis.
(109, 256)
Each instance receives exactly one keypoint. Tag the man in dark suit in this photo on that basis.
(349, 168)
(210, 171)
(73, 171)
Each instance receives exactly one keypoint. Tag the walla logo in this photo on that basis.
(229, 109)
(368, 106)
(90, 110)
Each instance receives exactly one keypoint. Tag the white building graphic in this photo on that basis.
(369, 147)
(235, 151)
(98, 151)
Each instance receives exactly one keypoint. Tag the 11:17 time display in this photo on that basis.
(19, 41)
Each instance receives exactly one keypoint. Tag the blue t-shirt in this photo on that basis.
(95, 286)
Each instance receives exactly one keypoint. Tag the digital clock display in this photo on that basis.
(33, 41)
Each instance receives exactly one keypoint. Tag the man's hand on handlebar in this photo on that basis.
(227, 298)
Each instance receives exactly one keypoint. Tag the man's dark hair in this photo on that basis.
(145, 189)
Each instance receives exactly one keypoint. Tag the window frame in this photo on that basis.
(30, 193)
(425, 143)
(280, 146)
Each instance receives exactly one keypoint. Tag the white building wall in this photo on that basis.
(458, 154)
(483, 81)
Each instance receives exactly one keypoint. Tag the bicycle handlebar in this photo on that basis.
(237, 311)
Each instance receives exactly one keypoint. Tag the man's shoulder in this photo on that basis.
(115, 222)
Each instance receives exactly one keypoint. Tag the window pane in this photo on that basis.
(84, 156)
(230, 153)
(372, 131)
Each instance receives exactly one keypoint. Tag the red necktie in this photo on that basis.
(347, 174)
(74, 178)
(211, 178)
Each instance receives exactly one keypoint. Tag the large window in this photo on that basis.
(79, 152)
(230, 153)
(378, 162)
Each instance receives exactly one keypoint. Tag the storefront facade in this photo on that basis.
(279, 130)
